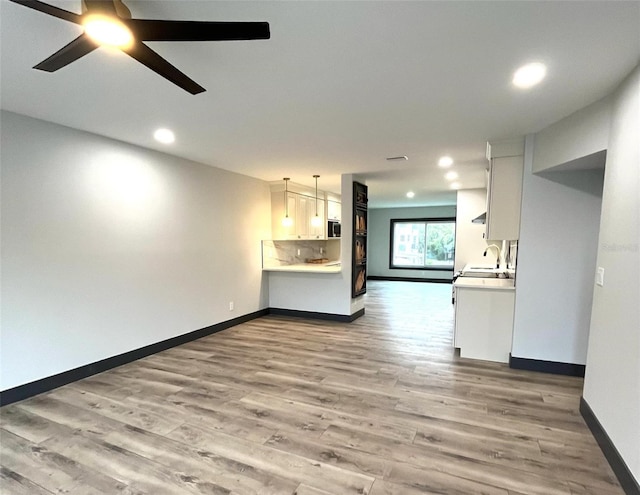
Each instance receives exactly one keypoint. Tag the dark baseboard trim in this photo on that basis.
(27, 390)
(628, 483)
(554, 367)
(317, 316)
(409, 279)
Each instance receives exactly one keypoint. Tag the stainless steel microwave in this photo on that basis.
(333, 229)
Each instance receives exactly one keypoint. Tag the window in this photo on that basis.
(423, 244)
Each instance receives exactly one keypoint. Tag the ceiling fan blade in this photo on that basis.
(50, 9)
(104, 6)
(73, 51)
(145, 55)
(161, 30)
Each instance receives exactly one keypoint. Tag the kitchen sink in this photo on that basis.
(482, 272)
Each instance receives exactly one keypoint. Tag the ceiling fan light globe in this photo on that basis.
(106, 30)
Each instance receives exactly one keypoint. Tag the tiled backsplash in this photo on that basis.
(279, 253)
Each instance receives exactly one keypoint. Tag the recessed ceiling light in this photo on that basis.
(529, 75)
(451, 175)
(410, 194)
(164, 136)
(445, 161)
(455, 185)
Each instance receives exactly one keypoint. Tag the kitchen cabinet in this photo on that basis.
(504, 190)
(334, 210)
(484, 318)
(300, 227)
(317, 231)
(301, 209)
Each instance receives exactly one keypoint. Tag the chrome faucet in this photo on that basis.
(499, 257)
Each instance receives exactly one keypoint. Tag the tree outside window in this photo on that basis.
(423, 243)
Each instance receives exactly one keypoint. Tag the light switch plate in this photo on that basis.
(600, 276)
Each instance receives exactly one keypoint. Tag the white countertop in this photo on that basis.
(485, 283)
(331, 267)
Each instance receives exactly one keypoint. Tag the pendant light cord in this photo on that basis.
(286, 194)
(316, 178)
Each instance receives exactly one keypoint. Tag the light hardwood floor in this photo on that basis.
(290, 406)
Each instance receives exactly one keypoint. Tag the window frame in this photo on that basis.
(426, 221)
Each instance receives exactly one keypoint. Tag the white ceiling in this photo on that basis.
(338, 87)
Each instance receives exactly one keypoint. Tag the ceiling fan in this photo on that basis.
(109, 22)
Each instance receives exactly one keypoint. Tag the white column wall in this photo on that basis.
(612, 381)
(556, 263)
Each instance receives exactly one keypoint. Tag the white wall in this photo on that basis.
(470, 243)
(378, 240)
(107, 247)
(583, 133)
(327, 292)
(556, 262)
(612, 382)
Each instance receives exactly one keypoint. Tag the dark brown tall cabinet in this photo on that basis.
(360, 223)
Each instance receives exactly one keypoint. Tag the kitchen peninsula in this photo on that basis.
(329, 267)
(298, 288)
(309, 272)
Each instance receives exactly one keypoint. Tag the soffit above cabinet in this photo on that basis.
(293, 187)
(507, 147)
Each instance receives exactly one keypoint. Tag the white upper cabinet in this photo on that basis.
(504, 190)
(301, 205)
(317, 231)
(334, 210)
(301, 210)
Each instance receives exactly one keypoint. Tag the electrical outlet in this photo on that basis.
(298, 252)
(231, 306)
(321, 250)
(600, 276)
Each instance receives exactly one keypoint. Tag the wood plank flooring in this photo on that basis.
(381, 406)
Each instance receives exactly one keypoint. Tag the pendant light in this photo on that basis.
(287, 221)
(316, 221)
